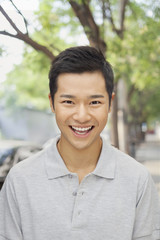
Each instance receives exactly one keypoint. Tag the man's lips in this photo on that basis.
(81, 130)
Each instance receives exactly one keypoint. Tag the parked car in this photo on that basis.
(12, 152)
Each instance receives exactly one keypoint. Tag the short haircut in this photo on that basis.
(79, 60)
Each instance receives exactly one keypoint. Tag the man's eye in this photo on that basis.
(68, 102)
(95, 102)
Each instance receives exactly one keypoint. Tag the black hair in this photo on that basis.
(78, 60)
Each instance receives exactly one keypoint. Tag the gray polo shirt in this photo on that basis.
(42, 200)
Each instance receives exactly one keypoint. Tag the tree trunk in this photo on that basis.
(114, 120)
(123, 112)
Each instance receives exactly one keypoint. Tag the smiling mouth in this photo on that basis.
(81, 131)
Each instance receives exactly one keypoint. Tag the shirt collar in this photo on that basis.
(106, 166)
(55, 167)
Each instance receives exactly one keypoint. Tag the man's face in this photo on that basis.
(81, 107)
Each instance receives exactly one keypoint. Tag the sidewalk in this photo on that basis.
(148, 153)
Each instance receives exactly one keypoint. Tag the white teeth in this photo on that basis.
(81, 129)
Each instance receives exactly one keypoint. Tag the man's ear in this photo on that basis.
(113, 95)
(51, 103)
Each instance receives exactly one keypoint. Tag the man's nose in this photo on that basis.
(82, 114)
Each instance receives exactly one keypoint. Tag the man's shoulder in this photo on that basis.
(33, 164)
(126, 165)
(30, 164)
(125, 159)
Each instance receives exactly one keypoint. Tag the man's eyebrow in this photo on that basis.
(96, 96)
(90, 97)
(67, 96)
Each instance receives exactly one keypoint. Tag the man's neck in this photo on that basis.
(80, 161)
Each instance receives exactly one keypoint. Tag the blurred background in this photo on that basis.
(32, 33)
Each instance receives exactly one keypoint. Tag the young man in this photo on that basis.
(79, 187)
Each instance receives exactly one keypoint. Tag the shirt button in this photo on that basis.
(70, 176)
(74, 193)
(79, 212)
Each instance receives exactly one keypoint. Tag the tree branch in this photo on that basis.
(35, 45)
(83, 13)
(8, 34)
(24, 19)
(107, 13)
(122, 14)
(25, 37)
(9, 19)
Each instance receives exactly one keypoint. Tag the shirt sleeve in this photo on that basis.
(9, 213)
(147, 215)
